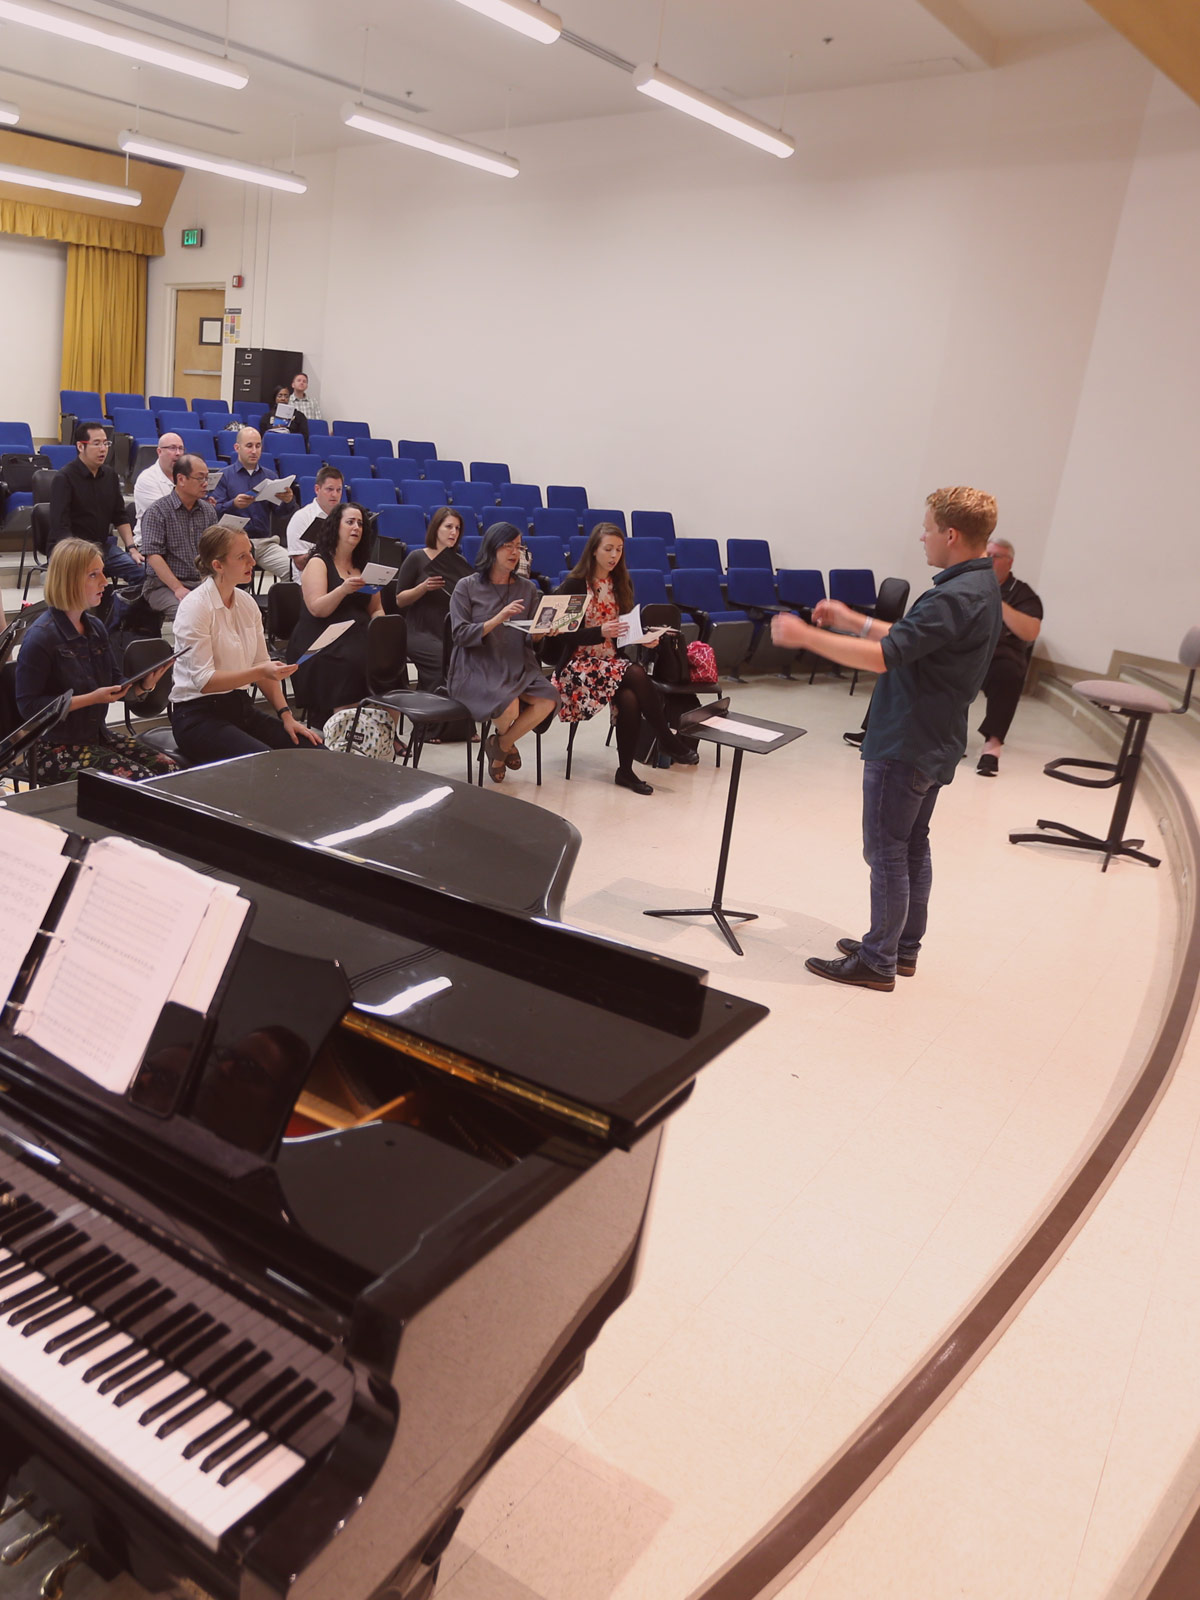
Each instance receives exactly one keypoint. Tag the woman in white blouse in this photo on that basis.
(220, 627)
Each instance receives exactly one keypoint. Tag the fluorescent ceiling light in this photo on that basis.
(682, 97)
(438, 144)
(140, 144)
(9, 113)
(83, 29)
(523, 15)
(62, 184)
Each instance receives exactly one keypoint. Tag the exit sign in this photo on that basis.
(193, 236)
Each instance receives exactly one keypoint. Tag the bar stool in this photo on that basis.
(1138, 703)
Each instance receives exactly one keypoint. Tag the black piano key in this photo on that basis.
(211, 1437)
(54, 1298)
(162, 1408)
(249, 1431)
(273, 1417)
(165, 1366)
(130, 1325)
(17, 1221)
(234, 1471)
(113, 1300)
(14, 1301)
(49, 1247)
(199, 1346)
(148, 1343)
(298, 1433)
(205, 1384)
(48, 1318)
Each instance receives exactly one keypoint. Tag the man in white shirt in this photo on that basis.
(329, 492)
(301, 398)
(156, 481)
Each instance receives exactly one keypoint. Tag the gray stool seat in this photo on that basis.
(1123, 696)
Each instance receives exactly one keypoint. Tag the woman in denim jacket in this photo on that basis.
(67, 649)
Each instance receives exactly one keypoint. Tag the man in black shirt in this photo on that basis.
(86, 503)
(1022, 613)
(931, 664)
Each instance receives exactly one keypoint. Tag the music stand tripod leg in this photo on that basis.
(716, 910)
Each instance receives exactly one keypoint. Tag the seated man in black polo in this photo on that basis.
(1022, 613)
(86, 503)
(931, 665)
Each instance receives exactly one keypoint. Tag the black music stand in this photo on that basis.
(696, 723)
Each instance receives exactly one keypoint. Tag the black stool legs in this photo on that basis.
(1124, 775)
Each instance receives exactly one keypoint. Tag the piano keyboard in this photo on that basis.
(202, 1403)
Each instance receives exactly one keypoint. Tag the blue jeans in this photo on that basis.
(117, 564)
(898, 802)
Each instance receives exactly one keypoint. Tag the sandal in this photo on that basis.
(496, 759)
(512, 759)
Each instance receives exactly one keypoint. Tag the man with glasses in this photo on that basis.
(156, 481)
(86, 503)
(171, 530)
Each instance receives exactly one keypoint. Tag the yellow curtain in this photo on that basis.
(78, 227)
(104, 320)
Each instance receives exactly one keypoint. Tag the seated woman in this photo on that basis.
(493, 670)
(425, 597)
(270, 423)
(589, 674)
(220, 626)
(67, 649)
(332, 588)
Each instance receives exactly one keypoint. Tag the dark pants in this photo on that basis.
(120, 565)
(218, 726)
(898, 802)
(1002, 692)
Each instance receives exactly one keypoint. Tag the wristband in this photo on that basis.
(866, 628)
(283, 711)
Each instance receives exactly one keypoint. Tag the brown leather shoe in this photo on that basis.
(906, 966)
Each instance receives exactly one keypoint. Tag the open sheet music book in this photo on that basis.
(273, 488)
(556, 613)
(98, 939)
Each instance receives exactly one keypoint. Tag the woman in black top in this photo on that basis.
(332, 589)
(68, 649)
(269, 423)
(425, 597)
(588, 672)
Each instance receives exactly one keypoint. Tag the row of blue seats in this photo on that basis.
(85, 405)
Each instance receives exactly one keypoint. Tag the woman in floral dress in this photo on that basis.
(590, 675)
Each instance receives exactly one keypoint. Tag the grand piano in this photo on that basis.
(266, 1323)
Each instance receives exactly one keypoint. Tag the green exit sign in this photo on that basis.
(193, 236)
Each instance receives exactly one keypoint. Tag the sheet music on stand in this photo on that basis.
(134, 934)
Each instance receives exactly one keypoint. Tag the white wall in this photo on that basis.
(1122, 570)
(984, 279)
(33, 276)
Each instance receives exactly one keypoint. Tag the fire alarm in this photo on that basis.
(237, 280)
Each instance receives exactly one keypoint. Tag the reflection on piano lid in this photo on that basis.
(281, 1373)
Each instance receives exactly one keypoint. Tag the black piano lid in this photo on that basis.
(592, 1021)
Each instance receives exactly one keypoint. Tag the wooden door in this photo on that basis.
(197, 372)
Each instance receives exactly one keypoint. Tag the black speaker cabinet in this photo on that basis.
(258, 373)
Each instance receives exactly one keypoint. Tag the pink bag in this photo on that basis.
(702, 661)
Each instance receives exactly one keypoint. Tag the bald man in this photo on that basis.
(156, 481)
(235, 493)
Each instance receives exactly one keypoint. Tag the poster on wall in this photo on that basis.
(233, 324)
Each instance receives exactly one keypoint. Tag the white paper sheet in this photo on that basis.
(273, 488)
(31, 868)
(375, 574)
(744, 730)
(635, 633)
(205, 963)
(236, 524)
(117, 954)
(335, 630)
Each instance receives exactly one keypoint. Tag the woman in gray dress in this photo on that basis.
(493, 670)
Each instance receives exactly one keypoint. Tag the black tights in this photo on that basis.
(636, 698)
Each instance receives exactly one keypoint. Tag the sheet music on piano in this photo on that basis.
(137, 931)
(32, 865)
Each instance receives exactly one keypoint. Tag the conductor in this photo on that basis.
(932, 663)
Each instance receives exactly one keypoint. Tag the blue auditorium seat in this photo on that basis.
(649, 586)
(397, 468)
(800, 586)
(592, 516)
(572, 496)
(199, 405)
(448, 471)
(172, 421)
(285, 444)
(560, 521)
(545, 555)
(428, 492)
(15, 438)
(346, 465)
(698, 553)
(373, 449)
(699, 589)
(136, 421)
(470, 546)
(306, 465)
(854, 586)
(352, 430)
(517, 515)
(198, 443)
(417, 450)
(522, 494)
(646, 553)
(167, 402)
(59, 454)
(123, 402)
(750, 588)
(576, 545)
(482, 496)
(337, 444)
(318, 428)
(211, 414)
(748, 553)
(489, 472)
(373, 492)
(406, 523)
(658, 524)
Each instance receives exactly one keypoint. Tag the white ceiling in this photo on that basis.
(455, 70)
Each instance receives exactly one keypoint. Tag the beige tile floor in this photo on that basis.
(844, 1180)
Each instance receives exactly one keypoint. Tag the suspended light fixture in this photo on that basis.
(141, 144)
(28, 178)
(522, 15)
(67, 24)
(437, 144)
(9, 113)
(682, 97)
